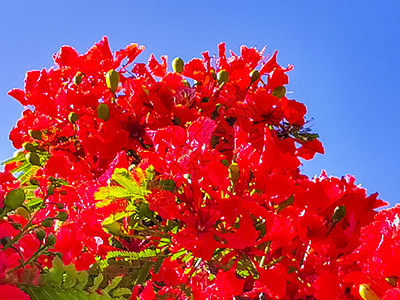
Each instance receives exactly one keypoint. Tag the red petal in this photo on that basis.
(19, 95)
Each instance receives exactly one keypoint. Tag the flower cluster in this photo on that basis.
(135, 182)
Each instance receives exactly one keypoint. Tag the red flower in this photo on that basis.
(8, 292)
(226, 285)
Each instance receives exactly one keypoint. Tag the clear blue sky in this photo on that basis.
(345, 53)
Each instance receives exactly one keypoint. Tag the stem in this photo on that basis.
(4, 212)
(20, 234)
(30, 260)
(275, 261)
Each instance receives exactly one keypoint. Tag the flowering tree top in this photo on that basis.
(135, 181)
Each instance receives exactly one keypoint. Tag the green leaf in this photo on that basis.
(158, 263)
(22, 168)
(123, 178)
(121, 292)
(144, 273)
(118, 216)
(114, 283)
(52, 293)
(82, 280)
(187, 258)
(147, 253)
(70, 276)
(178, 254)
(19, 156)
(150, 173)
(32, 201)
(110, 193)
(97, 281)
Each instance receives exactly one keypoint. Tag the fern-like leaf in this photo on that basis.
(147, 253)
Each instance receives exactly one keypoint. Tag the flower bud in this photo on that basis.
(234, 172)
(62, 216)
(225, 162)
(222, 77)
(103, 112)
(23, 212)
(60, 205)
(112, 80)
(50, 240)
(254, 75)
(48, 222)
(392, 280)
(29, 147)
(50, 190)
(36, 134)
(33, 158)
(5, 240)
(17, 226)
(14, 199)
(177, 65)
(338, 213)
(78, 78)
(40, 235)
(73, 117)
(279, 92)
(213, 75)
(367, 293)
(34, 181)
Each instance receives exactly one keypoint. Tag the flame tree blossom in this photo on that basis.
(135, 181)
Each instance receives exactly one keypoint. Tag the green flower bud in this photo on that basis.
(29, 147)
(213, 75)
(22, 212)
(60, 205)
(234, 172)
(112, 80)
(367, 293)
(177, 65)
(338, 213)
(5, 240)
(34, 181)
(222, 77)
(78, 78)
(225, 162)
(168, 185)
(103, 112)
(36, 134)
(14, 199)
(17, 226)
(33, 158)
(254, 75)
(279, 92)
(48, 222)
(62, 216)
(50, 190)
(73, 117)
(51, 240)
(40, 235)
(392, 280)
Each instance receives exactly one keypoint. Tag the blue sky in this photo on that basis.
(345, 53)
